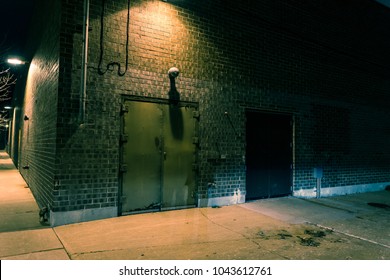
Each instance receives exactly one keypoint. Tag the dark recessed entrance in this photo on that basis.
(158, 156)
(268, 155)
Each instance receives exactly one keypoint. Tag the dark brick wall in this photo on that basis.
(39, 114)
(324, 62)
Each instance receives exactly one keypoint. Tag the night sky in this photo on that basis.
(14, 22)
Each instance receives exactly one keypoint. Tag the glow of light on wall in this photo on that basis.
(163, 29)
(31, 87)
(160, 36)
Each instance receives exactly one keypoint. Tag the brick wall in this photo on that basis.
(87, 151)
(39, 114)
(270, 55)
(324, 62)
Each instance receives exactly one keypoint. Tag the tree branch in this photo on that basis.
(7, 80)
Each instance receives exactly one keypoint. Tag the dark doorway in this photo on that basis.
(268, 155)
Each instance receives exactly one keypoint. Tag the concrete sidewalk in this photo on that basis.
(344, 227)
(21, 234)
(18, 209)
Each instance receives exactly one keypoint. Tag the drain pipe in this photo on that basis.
(84, 59)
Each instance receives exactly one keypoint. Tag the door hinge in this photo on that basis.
(124, 138)
(123, 168)
(124, 109)
(195, 140)
(196, 114)
(195, 167)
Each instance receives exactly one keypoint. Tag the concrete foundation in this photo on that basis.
(342, 190)
(85, 215)
(221, 201)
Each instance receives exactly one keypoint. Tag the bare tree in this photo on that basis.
(7, 81)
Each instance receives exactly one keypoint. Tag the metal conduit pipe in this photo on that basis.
(84, 59)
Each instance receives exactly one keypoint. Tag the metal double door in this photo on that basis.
(268, 155)
(158, 156)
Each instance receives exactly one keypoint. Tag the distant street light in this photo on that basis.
(15, 61)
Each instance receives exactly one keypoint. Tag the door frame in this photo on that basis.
(123, 110)
(289, 114)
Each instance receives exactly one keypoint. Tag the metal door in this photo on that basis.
(141, 157)
(158, 157)
(179, 156)
(268, 155)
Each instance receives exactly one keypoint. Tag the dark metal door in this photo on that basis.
(158, 155)
(268, 155)
(142, 157)
(179, 156)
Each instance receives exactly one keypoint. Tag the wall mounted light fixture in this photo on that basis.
(173, 72)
